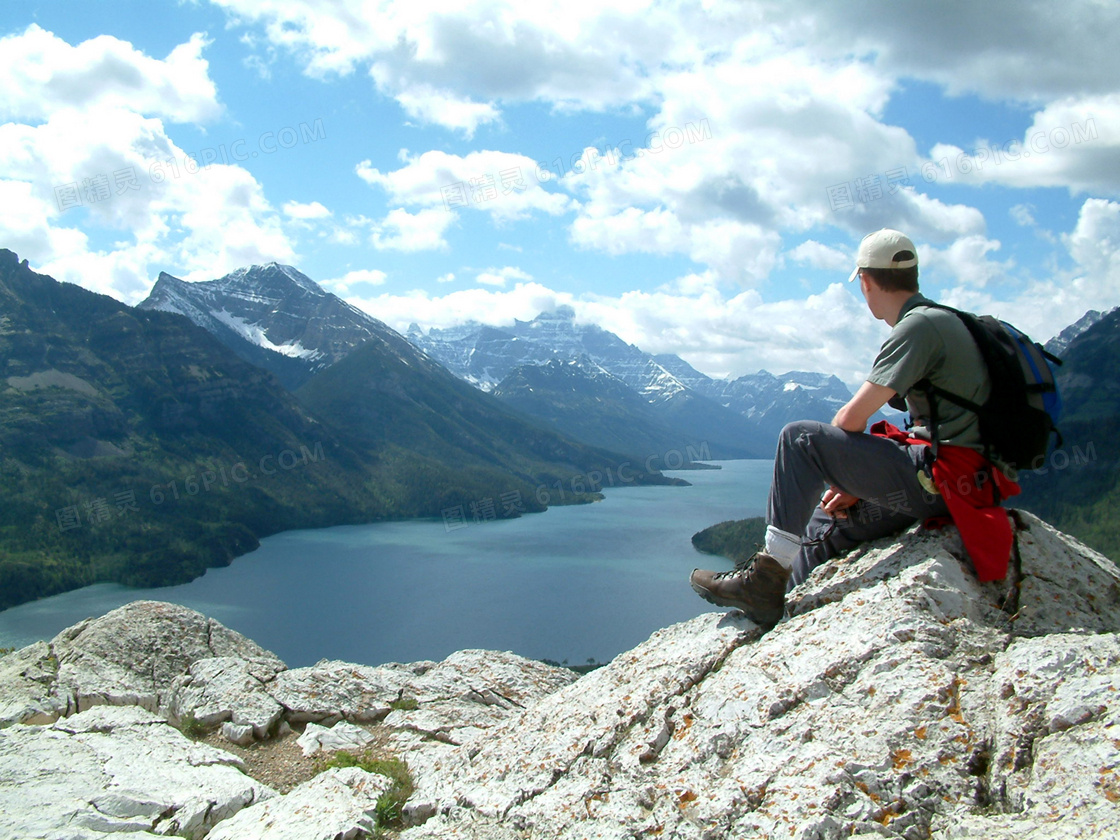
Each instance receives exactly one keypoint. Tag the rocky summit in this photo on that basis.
(899, 698)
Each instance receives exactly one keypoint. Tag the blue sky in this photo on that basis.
(694, 176)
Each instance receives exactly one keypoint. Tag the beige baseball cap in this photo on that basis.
(879, 249)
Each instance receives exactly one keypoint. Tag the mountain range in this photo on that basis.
(629, 400)
(135, 447)
(732, 418)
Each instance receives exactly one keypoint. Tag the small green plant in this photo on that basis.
(4, 651)
(390, 803)
(405, 704)
(191, 726)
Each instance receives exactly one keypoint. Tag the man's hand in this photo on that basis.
(836, 502)
(853, 416)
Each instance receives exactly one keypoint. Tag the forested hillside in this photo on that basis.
(135, 448)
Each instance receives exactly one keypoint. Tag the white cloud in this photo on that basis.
(609, 53)
(490, 306)
(343, 236)
(792, 101)
(831, 332)
(305, 212)
(1073, 143)
(25, 224)
(759, 138)
(1023, 214)
(1095, 245)
(428, 105)
(40, 74)
(345, 284)
(966, 260)
(420, 231)
(821, 256)
(502, 184)
(501, 276)
(738, 251)
(104, 197)
(1021, 50)
(1046, 305)
(755, 111)
(632, 230)
(479, 51)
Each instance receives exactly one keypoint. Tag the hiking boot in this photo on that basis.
(758, 588)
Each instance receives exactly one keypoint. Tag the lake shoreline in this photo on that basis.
(544, 587)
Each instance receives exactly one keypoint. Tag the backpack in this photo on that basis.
(1022, 411)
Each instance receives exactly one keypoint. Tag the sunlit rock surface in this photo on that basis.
(899, 698)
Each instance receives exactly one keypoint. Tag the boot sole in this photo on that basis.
(734, 605)
(714, 599)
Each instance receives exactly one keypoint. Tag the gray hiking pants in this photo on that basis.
(883, 474)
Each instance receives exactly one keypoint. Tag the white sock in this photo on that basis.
(782, 546)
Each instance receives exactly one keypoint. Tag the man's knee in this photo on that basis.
(799, 427)
(800, 432)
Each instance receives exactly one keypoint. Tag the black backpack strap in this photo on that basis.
(931, 390)
(932, 393)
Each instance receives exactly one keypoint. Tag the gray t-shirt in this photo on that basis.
(933, 343)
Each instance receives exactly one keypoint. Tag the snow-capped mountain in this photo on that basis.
(595, 407)
(277, 318)
(1061, 342)
(272, 316)
(485, 355)
(742, 414)
(772, 401)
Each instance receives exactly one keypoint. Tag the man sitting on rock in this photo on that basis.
(876, 485)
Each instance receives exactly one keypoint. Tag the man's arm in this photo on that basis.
(869, 398)
(853, 417)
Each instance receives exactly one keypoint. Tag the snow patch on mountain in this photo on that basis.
(256, 334)
(272, 315)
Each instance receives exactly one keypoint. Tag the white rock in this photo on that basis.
(223, 688)
(586, 718)
(900, 698)
(466, 694)
(115, 770)
(336, 690)
(885, 706)
(161, 657)
(488, 677)
(1066, 586)
(341, 736)
(27, 682)
(133, 654)
(339, 804)
(238, 733)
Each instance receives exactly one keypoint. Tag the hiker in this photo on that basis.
(882, 482)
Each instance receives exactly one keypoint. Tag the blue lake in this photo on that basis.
(573, 583)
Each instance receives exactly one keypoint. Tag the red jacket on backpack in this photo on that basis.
(964, 477)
